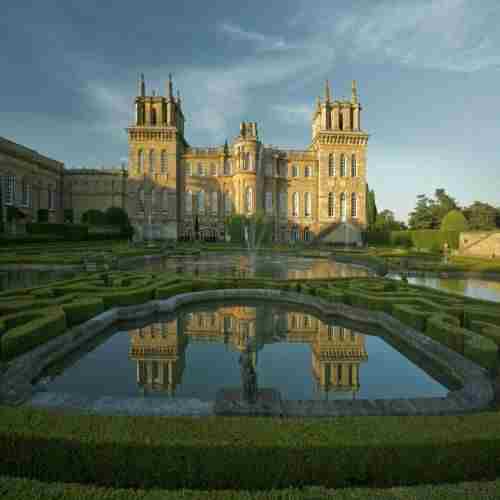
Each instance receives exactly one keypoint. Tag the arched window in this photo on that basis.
(153, 116)
(227, 203)
(295, 171)
(215, 202)
(307, 237)
(331, 204)
(354, 166)
(343, 166)
(227, 167)
(295, 204)
(140, 160)
(189, 202)
(152, 162)
(249, 200)
(163, 162)
(307, 204)
(354, 205)
(308, 171)
(201, 202)
(269, 202)
(331, 165)
(343, 207)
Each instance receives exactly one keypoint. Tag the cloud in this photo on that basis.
(263, 42)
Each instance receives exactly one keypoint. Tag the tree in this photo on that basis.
(422, 216)
(94, 217)
(454, 221)
(116, 216)
(481, 216)
(371, 208)
(386, 221)
(443, 204)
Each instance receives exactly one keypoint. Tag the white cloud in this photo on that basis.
(262, 41)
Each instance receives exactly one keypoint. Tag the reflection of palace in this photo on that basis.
(159, 349)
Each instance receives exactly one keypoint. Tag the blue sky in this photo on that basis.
(428, 77)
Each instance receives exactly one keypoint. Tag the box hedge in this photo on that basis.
(82, 310)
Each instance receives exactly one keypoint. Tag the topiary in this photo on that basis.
(454, 221)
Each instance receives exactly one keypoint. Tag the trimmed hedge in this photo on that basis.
(259, 453)
(429, 239)
(27, 489)
(82, 310)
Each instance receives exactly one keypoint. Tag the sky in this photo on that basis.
(428, 76)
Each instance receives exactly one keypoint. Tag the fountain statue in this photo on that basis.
(248, 375)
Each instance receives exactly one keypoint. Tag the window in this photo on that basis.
(227, 203)
(249, 200)
(52, 204)
(153, 198)
(343, 207)
(307, 204)
(215, 203)
(331, 332)
(246, 161)
(307, 234)
(153, 116)
(295, 204)
(354, 166)
(295, 233)
(213, 169)
(140, 160)
(10, 190)
(269, 202)
(227, 167)
(283, 203)
(200, 169)
(339, 373)
(295, 171)
(163, 162)
(189, 202)
(152, 162)
(308, 171)
(201, 202)
(26, 194)
(343, 166)
(189, 171)
(331, 165)
(331, 204)
(354, 205)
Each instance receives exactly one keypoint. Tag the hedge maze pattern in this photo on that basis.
(32, 316)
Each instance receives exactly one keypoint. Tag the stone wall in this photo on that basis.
(480, 244)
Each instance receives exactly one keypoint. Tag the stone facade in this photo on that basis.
(169, 184)
(303, 194)
(480, 244)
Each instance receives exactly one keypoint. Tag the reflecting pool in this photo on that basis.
(196, 352)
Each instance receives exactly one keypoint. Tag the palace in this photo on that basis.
(175, 190)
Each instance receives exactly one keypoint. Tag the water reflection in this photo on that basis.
(247, 265)
(159, 349)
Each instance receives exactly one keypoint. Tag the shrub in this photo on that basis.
(69, 216)
(116, 216)
(42, 215)
(454, 221)
(94, 216)
(82, 310)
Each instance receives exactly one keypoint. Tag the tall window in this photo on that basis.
(343, 166)
(163, 162)
(249, 200)
(354, 205)
(213, 170)
(269, 202)
(295, 204)
(331, 204)
(295, 233)
(215, 203)
(354, 166)
(10, 190)
(189, 171)
(331, 332)
(227, 167)
(308, 171)
(140, 160)
(201, 202)
(246, 161)
(189, 202)
(51, 199)
(152, 162)
(331, 165)
(200, 169)
(283, 203)
(153, 199)
(307, 237)
(153, 116)
(307, 204)
(26, 194)
(227, 203)
(343, 207)
(295, 171)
